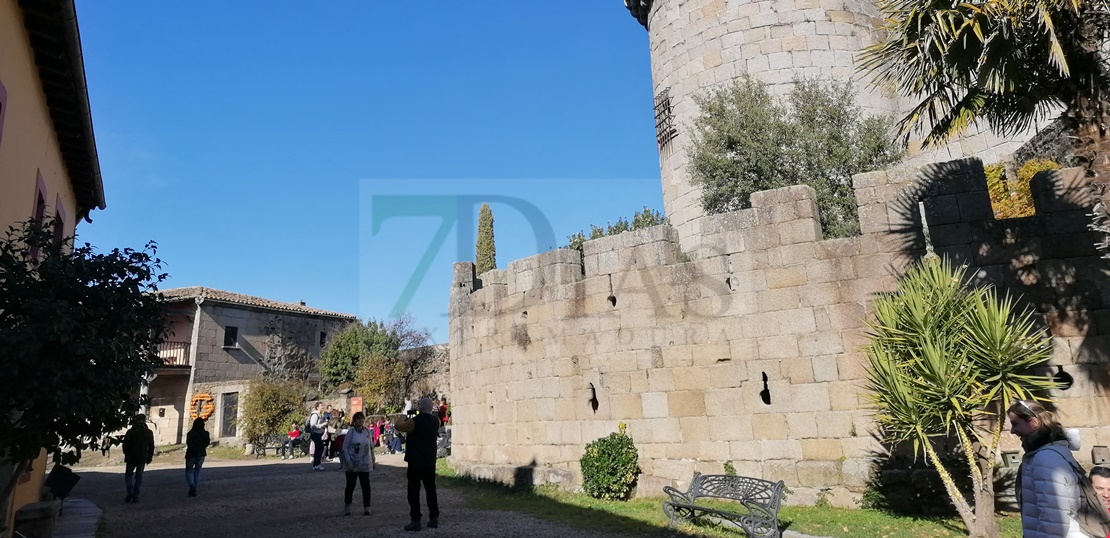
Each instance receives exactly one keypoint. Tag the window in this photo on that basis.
(323, 338)
(59, 220)
(231, 336)
(39, 209)
(229, 413)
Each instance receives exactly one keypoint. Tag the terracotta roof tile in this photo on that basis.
(209, 294)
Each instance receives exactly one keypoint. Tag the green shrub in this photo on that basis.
(730, 469)
(271, 407)
(644, 219)
(610, 466)
(1013, 198)
(746, 140)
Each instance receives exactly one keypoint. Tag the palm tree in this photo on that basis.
(1010, 63)
(944, 361)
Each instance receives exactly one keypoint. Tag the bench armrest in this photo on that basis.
(677, 496)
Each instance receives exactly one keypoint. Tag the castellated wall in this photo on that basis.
(697, 45)
(557, 349)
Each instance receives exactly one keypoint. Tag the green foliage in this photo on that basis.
(485, 249)
(730, 469)
(271, 407)
(381, 361)
(823, 499)
(610, 466)
(1008, 64)
(942, 357)
(1013, 198)
(342, 355)
(644, 219)
(79, 330)
(379, 380)
(745, 141)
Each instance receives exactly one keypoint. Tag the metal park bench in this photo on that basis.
(757, 503)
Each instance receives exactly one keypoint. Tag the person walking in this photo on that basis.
(358, 461)
(420, 453)
(1047, 486)
(316, 426)
(196, 448)
(138, 451)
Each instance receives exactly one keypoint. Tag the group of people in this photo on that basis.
(1050, 485)
(357, 457)
(356, 454)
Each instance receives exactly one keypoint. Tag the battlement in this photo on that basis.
(759, 329)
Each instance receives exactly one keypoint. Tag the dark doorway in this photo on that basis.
(229, 416)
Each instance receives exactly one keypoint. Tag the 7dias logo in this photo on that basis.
(455, 211)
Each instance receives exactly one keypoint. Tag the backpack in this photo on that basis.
(308, 423)
(1091, 515)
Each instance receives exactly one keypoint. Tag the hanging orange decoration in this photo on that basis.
(202, 406)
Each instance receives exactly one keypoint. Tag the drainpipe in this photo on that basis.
(194, 343)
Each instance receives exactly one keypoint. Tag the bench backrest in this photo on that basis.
(738, 488)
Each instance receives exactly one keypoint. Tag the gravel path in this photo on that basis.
(286, 498)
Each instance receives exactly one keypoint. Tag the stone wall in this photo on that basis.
(748, 347)
(267, 341)
(699, 44)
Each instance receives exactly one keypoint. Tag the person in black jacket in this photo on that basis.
(196, 444)
(138, 451)
(420, 453)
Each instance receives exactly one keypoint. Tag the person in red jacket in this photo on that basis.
(293, 441)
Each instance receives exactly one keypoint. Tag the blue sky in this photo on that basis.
(252, 140)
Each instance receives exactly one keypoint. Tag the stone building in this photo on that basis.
(217, 342)
(48, 156)
(750, 351)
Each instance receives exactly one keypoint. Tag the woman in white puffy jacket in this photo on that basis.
(1047, 486)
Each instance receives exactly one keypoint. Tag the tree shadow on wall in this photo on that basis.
(1048, 262)
(907, 486)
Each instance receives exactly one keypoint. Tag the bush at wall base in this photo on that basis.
(610, 466)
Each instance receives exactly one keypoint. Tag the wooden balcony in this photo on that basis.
(174, 353)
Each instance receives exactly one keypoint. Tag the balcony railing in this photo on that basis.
(174, 353)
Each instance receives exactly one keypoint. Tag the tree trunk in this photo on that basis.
(954, 494)
(986, 524)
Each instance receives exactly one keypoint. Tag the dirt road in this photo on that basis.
(285, 499)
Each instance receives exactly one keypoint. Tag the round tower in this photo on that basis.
(696, 44)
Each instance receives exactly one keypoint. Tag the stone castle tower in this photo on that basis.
(696, 44)
(737, 338)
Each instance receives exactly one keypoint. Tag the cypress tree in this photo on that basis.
(486, 251)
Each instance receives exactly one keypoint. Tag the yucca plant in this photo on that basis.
(944, 360)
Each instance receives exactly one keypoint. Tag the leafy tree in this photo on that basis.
(745, 140)
(378, 380)
(79, 331)
(399, 349)
(1009, 64)
(944, 361)
(486, 250)
(342, 355)
(270, 407)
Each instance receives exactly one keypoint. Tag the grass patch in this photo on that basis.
(645, 516)
(227, 452)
